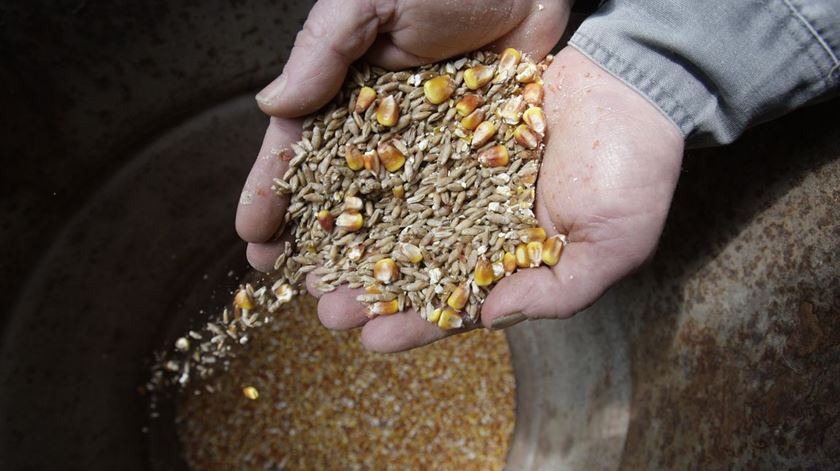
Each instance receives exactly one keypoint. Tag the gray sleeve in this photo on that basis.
(716, 67)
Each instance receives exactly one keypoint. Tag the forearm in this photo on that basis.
(715, 68)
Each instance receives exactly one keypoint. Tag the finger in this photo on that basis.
(339, 309)
(263, 256)
(558, 292)
(336, 33)
(260, 211)
(539, 31)
(401, 331)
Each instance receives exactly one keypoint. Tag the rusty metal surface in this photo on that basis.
(734, 330)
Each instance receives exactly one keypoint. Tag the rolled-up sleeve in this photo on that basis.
(717, 67)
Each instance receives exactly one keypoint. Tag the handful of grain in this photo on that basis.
(418, 186)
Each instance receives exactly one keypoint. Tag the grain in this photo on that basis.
(323, 402)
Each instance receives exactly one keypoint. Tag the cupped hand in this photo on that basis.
(389, 33)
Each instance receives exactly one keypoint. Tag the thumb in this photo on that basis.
(335, 34)
(556, 292)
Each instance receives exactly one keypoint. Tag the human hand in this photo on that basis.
(610, 168)
(390, 34)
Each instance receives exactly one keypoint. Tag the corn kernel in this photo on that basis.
(472, 120)
(243, 300)
(388, 113)
(498, 271)
(371, 161)
(483, 273)
(535, 119)
(478, 76)
(439, 89)
(325, 219)
(399, 192)
(507, 63)
(534, 253)
(458, 299)
(509, 262)
(449, 319)
(512, 110)
(533, 94)
(384, 308)
(350, 222)
(353, 156)
(353, 204)
(251, 393)
(552, 248)
(412, 253)
(434, 317)
(390, 156)
(468, 104)
(386, 271)
(496, 156)
(364, 100)
(522, 260)
(182, 344)
(526, 72)
(532, 234)
(355, 252)
(525, 137)
(373, 289)
(483, 133)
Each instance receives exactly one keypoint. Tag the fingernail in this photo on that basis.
(270, 94)
(506, 321)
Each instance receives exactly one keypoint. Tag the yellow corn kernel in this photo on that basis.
(507, 63)
(458, 299)
(551, 250)
(483, 133)
(535, 119)
(496, 156)
(371, 161)
(353, 204)
(483, 273)
(325, 219)
(412, 253)
(355, 159)
(388, 113)
(509, 262)
(525, 137)
(364, 100)
(522, 256)
(532, 234)
(534, 253)
(468, 104)
(449, 319)
(243, 300)
(526, 72)
(350, 222)
(498, 271)
(478, 76)
(386, 271)
(384, 308)
(533, 94)
(251, 393)
(399, 192)
(472, 120)
(390, 156)
(373, 289)
(439, 89)
(355, 252)
(434, 317)
(512, 110)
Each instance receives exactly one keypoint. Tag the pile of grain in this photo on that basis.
(325, 403)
